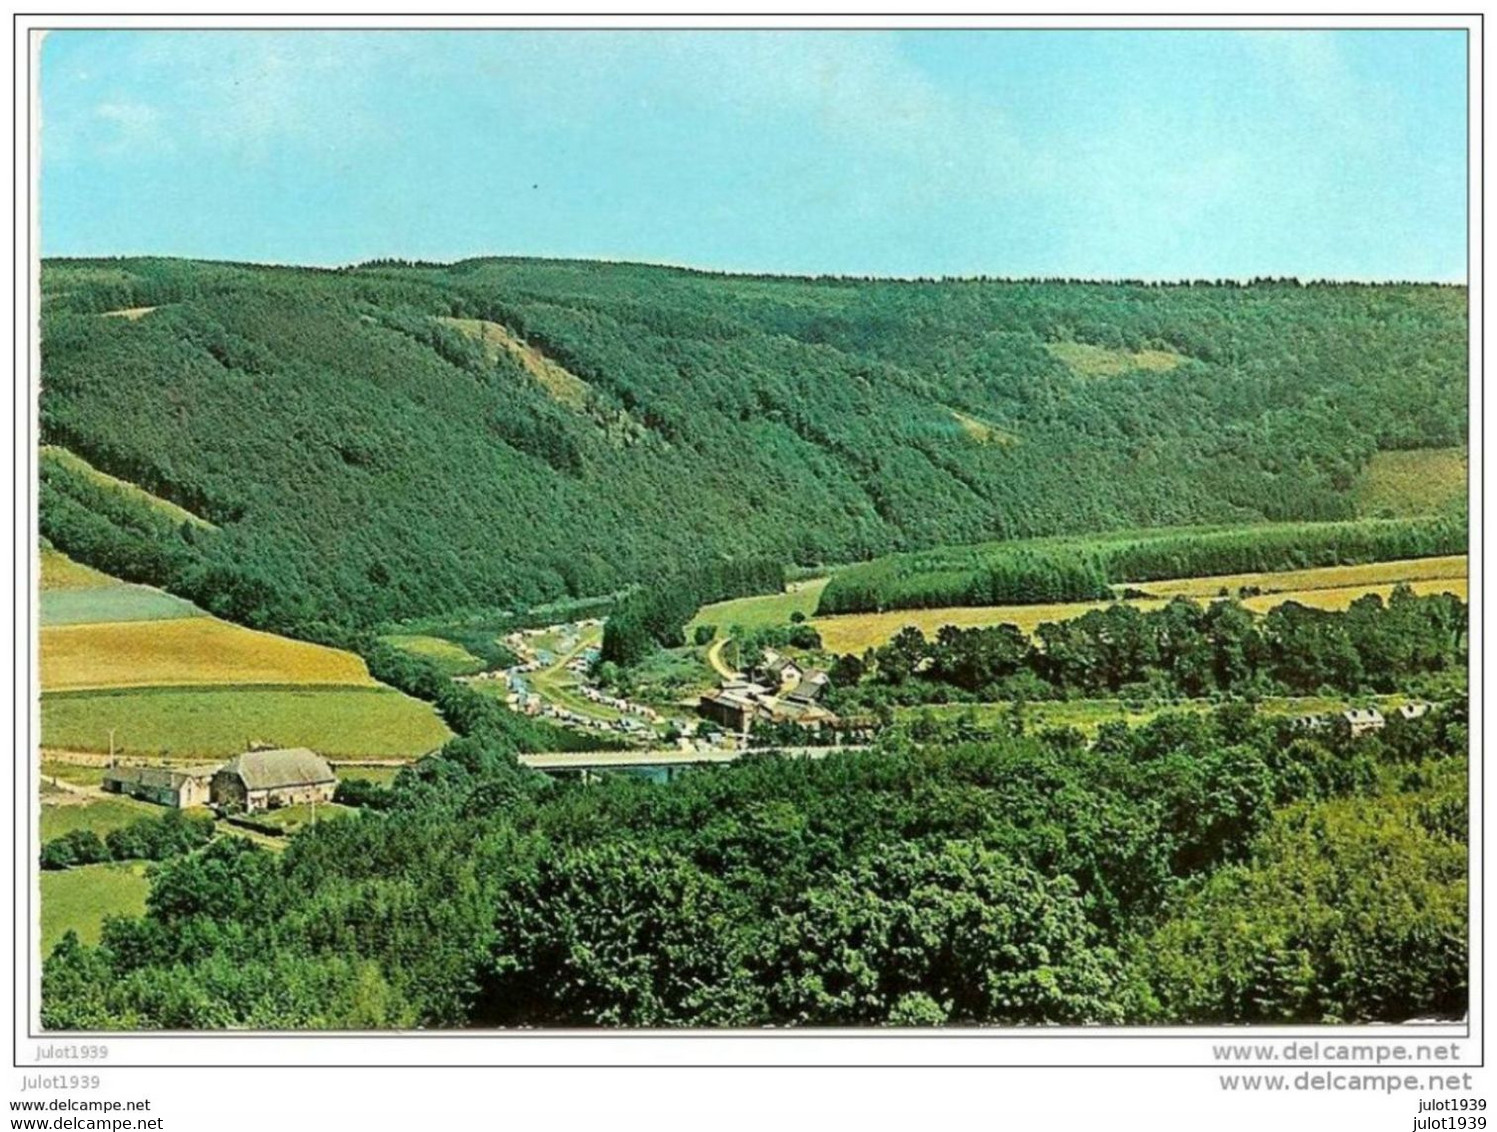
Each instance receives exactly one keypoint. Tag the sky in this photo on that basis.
(1116, 154)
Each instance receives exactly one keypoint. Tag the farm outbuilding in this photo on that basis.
(732, 706)
(266, 780)
(165, 786)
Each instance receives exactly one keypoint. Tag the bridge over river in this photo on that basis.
(665, 758)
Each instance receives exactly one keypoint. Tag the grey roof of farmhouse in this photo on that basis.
(290, 766)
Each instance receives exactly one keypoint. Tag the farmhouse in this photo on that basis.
(164, 786)
(780, 671)
(265, 780)
(1413, 710)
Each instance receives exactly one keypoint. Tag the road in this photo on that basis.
(715, 658)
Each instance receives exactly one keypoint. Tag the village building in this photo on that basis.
(856, 728)
(738, 705)
(800, 712)
(1312, 722)
(1413, 711)
(179, 788)
(268, 779)
(1362, 721)
(813, 683)
(780, 672)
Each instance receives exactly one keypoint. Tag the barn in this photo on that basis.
(268, 779)
(165, 786)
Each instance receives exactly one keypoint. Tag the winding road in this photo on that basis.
(715, 658)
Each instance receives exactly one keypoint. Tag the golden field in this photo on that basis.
(59, 572)
(1450, 568)
(194, 650)
(1333, 587)
(1339, 597)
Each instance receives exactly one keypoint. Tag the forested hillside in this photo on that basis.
(393, 440)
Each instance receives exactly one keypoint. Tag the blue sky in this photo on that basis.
(1076, 153)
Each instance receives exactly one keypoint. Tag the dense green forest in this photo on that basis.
(1087, 568)
(396, 441)
(1222, 868)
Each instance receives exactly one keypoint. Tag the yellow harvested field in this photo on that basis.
(59, 572)
(1326, 577)
(1339, 597)
(855, 632)
(192, 650)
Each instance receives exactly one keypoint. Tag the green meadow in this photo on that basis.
(80, 899)
(213, 722)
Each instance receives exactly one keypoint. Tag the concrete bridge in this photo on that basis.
(666, 758)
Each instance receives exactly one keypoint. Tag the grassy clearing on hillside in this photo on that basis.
(103, 815)
(191, 723)
(80, 899)
(984, 432)
(1412, 482)
(187, 651)
(855, 632)
(1099, 361)
(565, 386)
(120, 602)
(75, 463)
(451, 658)
(1089, 715)
(129, 314)
(59, 572)
(761, 611)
